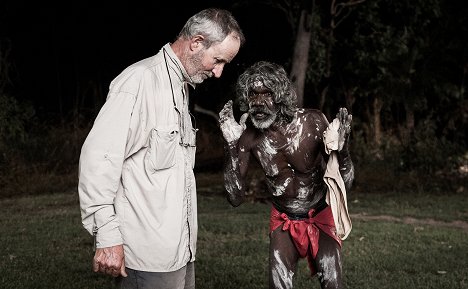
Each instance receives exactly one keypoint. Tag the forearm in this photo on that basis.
(100, 168)
(233, 182)
(336, 137)
(346, 167)
(97, 190)
(232, 132)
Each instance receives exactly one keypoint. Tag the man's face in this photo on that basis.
(206, 63)
(195, 66)
(262, 109)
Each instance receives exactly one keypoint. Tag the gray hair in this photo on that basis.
(214, 25)
(273, 77)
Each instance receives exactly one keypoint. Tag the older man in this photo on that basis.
(136, 182)
(307, 168)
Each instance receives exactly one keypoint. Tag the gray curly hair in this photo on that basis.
(274, 77)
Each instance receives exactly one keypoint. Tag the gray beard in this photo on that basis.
(195, 64)
(198, 78)
(263, 124)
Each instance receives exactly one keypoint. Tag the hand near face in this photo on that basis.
(230, 128)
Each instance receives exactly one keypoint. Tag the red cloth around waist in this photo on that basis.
(305, 232)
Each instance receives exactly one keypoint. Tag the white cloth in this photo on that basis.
(336, 194)
(136, 182)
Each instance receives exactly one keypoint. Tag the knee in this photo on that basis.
(328, 280)
(329, 272)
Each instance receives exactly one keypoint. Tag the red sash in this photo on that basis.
(305, 232)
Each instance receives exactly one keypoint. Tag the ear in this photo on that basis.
(196, 43)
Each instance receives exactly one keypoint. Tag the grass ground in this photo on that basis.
(397, 241)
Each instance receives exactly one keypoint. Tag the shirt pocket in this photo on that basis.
(192, 148)
(161, 153)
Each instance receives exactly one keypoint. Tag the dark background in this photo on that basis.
(407, 56)
(65, 54)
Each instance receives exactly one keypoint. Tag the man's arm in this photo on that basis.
(233, 174)
(100, 170)
(344, 158)
(336, 138)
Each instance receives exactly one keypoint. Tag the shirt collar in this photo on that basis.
(175, 64)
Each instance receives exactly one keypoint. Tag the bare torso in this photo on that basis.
(292, 157)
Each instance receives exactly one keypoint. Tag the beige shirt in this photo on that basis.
(136, 182)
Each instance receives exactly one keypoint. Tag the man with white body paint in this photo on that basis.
(288, 143)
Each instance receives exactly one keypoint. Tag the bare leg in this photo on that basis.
(328, 263)
(283, 259)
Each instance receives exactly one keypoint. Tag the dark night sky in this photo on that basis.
(60, 51)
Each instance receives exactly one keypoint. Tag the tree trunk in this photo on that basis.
(406, 130)
(300, 57)
(409, 118)
(377, 108)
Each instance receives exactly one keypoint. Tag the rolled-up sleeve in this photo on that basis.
(100, 168)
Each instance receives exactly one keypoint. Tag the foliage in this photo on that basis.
(399, 53)
(15, 117)
(44, 154)
(317, 65)
(396, 51)
(418, 153)
(5, 64)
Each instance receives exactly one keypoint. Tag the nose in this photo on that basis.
(217, 70)
(257, 100)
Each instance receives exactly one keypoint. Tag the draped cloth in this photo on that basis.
(305, 232)
(336, 194)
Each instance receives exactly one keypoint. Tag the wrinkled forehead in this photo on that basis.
(225, 50)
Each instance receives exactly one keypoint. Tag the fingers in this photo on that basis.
(122, 270)
(227, 107)
(347, 119)
(112, 271)
(95, 266)
(344, 117)
(97, 263)
(109, 270)
(338, 115)
(342, 114)
(226, 112)
(243, 119)
(110, 261)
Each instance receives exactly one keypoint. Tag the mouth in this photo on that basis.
(259, 114)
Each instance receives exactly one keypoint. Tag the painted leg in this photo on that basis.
(283, 260)
(328, 263)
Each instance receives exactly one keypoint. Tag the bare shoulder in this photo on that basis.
(312, 115)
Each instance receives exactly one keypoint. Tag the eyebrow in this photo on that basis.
(221, 59)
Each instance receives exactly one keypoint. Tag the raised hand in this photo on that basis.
(337, 132)
(344, 130)
(230, 128)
